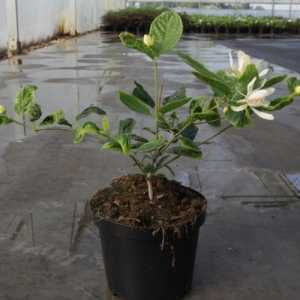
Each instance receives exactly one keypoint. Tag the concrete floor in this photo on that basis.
(250, 245)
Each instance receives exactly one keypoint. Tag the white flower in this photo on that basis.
(148, 40)
(243, 61)
(254, 99)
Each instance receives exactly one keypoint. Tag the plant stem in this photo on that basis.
(165, 147)
(24, 125)
(150, 187)
(137, 163)
(215, 135)
(156, 92)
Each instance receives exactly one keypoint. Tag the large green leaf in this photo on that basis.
(5, 120)
(112, 145)
(238, 119)
(88, 128)
(185, 149)
(152, 145)
(25, 97)
(248, 75)
(34, 112)
(279, 103)
(201, 72)
(166, 30)
(90, 110)
(134, 103)
(190, 132)
(173, 105)
(177, 95)
(143, 95)
(56, 118)
(131, 41)
(275, 80)
(124, 143)
(126, 126)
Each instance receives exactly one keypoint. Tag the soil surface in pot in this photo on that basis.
(126, 202)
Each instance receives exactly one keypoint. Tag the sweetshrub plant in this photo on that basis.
(238, 95)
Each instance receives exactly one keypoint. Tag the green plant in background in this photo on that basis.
(238, 95)
(139, 20)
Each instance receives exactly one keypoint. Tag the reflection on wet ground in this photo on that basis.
(48, 246)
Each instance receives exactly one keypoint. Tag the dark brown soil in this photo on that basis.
(126, 202)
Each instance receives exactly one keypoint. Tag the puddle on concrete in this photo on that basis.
(90, 70)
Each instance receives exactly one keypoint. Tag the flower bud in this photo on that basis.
(2, 110)
(297, 90)
(148, 40)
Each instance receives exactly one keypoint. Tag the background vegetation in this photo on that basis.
(138, 20)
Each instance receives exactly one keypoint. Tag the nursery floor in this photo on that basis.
(249, 246)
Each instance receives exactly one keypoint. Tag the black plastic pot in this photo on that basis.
(137, 268)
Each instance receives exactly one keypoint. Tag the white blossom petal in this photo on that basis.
(251, 84)
(239, 108)
(243, 61)
(257, 97)
(264, 72)
(263, 115)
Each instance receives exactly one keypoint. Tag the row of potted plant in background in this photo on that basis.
(149, 224)
(138, 20)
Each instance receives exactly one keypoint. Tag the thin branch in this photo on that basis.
(215, 135)
(137, 163)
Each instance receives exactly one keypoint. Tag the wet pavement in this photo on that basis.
(249, 247)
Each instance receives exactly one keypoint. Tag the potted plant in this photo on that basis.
(148, 224)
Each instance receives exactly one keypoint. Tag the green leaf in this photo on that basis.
(182, 151)
(124, 143)
(279, 103)
(90, 110)
(166, 30)
(55, 118)
(190, 132)
(143, 95)
(126, 126)
(139, 138)
(177, 95)
(134, 103)
(5, 120)
(105, 125)
(188, 148)
(24, 98)
(173, 105)
(216, 119)
(274, 81)
(201, 72)
(238, 119)
(163, 123)
(34, 112)
(218, 87)
(152, 145)
(131, 41)
(112, 145)
(88, 128)
(292, 83)
(248, 75)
